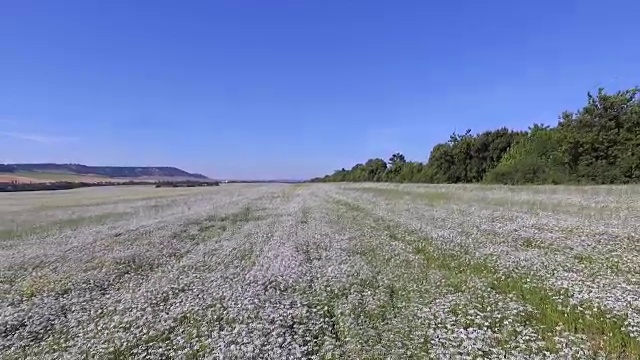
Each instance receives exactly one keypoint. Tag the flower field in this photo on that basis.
(321, 271)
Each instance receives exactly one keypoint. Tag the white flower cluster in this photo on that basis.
(322, 271)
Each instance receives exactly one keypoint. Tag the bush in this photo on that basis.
(534, 159)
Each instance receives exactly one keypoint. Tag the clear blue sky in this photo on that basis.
(293, 89)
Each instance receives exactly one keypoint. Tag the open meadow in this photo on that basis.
(321, 271)
(37, 177)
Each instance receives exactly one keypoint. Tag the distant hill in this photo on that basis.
(160, 172)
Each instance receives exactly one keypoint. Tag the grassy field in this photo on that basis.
(35, 177)
(323, 271)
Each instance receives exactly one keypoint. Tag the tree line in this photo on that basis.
(598, 144)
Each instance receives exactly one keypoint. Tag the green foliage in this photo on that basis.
(534, 159)
(467, 158)
(599, 144)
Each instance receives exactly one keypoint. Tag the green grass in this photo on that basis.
(604, 331)
(468, 195)
(591, 261)
(356, 324)
(198, 231)
(533, 244)
(211, 316)
(431, 197)
(56, 342)
(136, 194)
(244, 215)
(38, 285)
(305, 216)
(213, 226)
(22, 231)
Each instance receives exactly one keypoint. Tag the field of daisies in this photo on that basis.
(321, 271)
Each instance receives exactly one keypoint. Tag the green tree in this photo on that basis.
(396, 163)
(534, 159)
(601, 140)
(375, 169)
(599, 144)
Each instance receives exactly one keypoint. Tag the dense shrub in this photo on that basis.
(533, 159)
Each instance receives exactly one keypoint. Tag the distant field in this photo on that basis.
(10, 177)
(47, 177)
(321, 271)
(37, 177)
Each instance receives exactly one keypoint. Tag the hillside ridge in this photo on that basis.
(108, 171)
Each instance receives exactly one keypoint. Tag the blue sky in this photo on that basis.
(293, 89)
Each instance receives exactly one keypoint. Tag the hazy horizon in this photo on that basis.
(290, 90)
